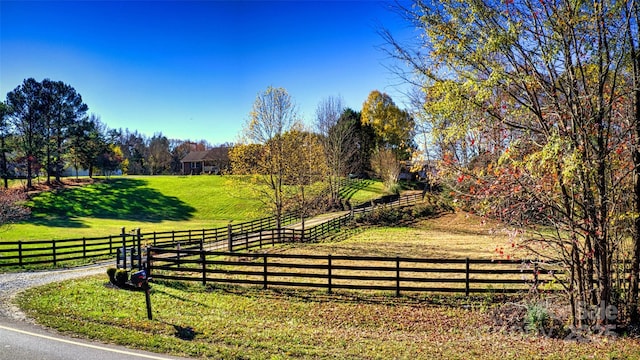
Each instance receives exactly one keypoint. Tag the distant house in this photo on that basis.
(214, 161)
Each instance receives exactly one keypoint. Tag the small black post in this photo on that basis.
(329, 273)
(397, 276)
(203, 259)
(84, 247)
(20, 253)
(264, 265)
(54, 253)
(147, 297)
(139, 237)
(229, 238)
(466, 290)
(124, 249)
(178, 255)
(535, 277)
(149, 262)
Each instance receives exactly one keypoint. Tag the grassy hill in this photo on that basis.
(152, 203)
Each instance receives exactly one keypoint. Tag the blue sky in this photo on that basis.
(192, 69)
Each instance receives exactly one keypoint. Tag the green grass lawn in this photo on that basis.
(151, 203)
(244, 322)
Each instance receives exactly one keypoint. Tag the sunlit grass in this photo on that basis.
(226, 322)
(152, 203)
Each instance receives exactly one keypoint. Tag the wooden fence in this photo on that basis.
(394, 274)
(55, 252)
(231, 238)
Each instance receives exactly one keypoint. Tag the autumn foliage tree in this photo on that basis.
(265, 153)
(394, 131)
(536, 108)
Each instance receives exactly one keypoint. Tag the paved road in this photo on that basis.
(21, 339)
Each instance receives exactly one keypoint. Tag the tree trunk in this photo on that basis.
(5, 175)
(634, 313)
(29, 173)
(635, 260)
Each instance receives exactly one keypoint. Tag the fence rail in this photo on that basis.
(395, 274)
(232, 237)
(55, 252)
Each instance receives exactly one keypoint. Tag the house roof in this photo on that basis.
(212, 155)
(195, 156)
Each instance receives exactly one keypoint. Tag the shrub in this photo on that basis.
(422, 210)
(536, 319)
(122, 276)
(111, 272)
(394, 188)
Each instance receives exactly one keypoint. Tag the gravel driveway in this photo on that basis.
(12, 283)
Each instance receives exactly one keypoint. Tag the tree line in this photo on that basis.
(44, 127)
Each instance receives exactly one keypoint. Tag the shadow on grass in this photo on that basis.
(358, 297)
(118, 199)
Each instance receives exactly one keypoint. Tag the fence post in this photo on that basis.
(54, 252)
(246, 241)
(178, 255)
(84, 247)
(329, 273)
(149, 262)
(203, 258)
(132, 256)
(397, 276)
(154, 239)
(230, 238)
(124, 249)
(273, 234)
(466, 289)
(264, 262)
(204, 235)
(535, 277)
(110, 245)
(20, 253)
(139, 238)
(260, 237)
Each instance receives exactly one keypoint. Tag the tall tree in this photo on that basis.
(546, 82)
(363, 144)
(62, 108)
(28, 121)
(5, 111)
(135, 151)
(305, 165)
(273, 114)
(86, 143)
(159, 154)
(393, 126)
(631, 13)
(337, 139)
(394, 129)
